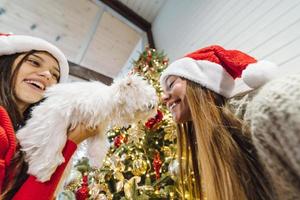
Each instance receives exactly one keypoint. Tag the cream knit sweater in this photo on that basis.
(273, 115)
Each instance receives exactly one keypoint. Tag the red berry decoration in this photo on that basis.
(83, 192)
(120, 139)
(157, 165)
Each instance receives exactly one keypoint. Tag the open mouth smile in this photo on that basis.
(35, 84)
(175, 103)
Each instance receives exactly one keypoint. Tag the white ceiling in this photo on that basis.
(148, 9)
(87, 32)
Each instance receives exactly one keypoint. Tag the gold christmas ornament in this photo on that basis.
(173, 169)
(120, 166)
(128, 187)
(170, 133)
(139, 167)
(119, 186)
(117, 164)
(119, 176)
(135, 134)
(94, 190)
(167, 151)
(101, 197)
(106, 162)
(100, 176)
(147, 187)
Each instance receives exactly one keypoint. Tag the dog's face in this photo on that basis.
(136, 99)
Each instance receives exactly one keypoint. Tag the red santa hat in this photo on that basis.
(216, 68)
(11, 44)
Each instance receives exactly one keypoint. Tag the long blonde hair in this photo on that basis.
(217, 146)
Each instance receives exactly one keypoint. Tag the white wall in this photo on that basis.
(266, 29)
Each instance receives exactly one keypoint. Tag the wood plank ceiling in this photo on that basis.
(87, 32)
(147, 9)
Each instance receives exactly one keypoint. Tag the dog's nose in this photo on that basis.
(150, 106)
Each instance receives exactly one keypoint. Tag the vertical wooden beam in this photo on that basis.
(150, 38)
(132, 16)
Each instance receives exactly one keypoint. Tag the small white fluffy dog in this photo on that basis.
(44, 136)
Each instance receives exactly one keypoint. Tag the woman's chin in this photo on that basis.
(178, 119)
(32, 99)
(181, 118)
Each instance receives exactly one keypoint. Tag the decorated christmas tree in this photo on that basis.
(141, 162)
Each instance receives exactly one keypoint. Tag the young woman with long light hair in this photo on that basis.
(218, 160)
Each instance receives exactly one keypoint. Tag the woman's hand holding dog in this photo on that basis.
(81, 132)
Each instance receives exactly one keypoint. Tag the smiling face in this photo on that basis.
(38, 71)
(174, 95)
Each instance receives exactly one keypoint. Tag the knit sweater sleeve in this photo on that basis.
(7, 143)
(33, 189)
(273, 116)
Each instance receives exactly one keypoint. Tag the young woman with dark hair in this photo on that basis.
(28, 65)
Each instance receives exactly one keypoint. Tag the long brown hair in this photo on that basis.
(18, 166)
(7, 77)
(224, 160)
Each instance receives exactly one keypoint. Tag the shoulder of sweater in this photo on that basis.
(238, 104)
(274, 113)
(279, 93)
(271, 94)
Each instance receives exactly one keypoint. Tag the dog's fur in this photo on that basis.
(44, 136)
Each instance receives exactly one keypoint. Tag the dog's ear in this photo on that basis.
(122, 83)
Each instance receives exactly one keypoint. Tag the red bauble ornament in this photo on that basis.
(148, 59)
(159, 116)
(83, 192)
(157, 165)
(120, 139)
(152, 121)
(149, 55)
(165, 61)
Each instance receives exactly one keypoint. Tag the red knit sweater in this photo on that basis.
(31, 189)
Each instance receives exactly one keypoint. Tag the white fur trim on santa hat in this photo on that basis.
(208, 74)
(12, 44)
(257, 74)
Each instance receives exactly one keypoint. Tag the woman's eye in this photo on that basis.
(171, 84)
(56, 76)
(34, 62)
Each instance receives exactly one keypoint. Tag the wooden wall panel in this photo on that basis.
(266, 29)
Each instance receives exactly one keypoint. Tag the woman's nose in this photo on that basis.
(165, 97)
(45, 74)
